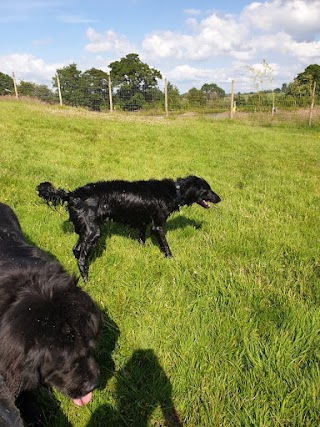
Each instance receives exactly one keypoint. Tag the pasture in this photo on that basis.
(227, 333)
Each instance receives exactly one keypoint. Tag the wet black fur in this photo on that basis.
(48, 325)
(137, 203)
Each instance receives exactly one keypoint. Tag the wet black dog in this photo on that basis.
(137, 203)
(48, 325)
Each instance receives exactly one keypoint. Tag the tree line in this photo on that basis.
(135, 87)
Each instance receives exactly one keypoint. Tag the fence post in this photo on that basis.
(312, 101)
(166, 96)
(15, 85)
(59, 88)
(232, 100)
(110, 93)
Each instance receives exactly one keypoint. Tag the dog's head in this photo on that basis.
(50, 331)
(197, 190)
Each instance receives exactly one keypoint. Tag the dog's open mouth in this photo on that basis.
(81, 401)
(203, 203)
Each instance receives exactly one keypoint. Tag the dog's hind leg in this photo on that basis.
(158, 231)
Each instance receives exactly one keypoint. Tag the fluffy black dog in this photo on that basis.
(137, 203)
(48, 325)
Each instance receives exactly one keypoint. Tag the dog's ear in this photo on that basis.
(20, 361)
(11, 358)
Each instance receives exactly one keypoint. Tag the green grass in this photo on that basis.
(226, 332)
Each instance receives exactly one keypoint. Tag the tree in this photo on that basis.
(6, 84)
(312, 71)
(26, 88)
(196, 98)
(45, 94)
(302, 86)
(174, 98)
(212, 91)
(41, 92)
(95, 87)
(300, 89)
(71, 85)
(133, 77)
(310, 75)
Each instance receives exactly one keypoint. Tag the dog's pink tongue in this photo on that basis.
(83, 400)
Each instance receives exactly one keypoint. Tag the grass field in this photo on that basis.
(227, 332)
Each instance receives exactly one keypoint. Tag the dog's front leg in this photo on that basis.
(76, 249)
(87, 243)
(158, 231)
(83, 264)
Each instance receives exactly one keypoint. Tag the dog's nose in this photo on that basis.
(90, 384)
(216, 198)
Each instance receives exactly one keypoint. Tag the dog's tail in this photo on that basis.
(52, 196)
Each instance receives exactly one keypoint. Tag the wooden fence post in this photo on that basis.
(15, 85)
(110, 94)
(232, 100)
(166, 96)
(59, 88)
(313, 95)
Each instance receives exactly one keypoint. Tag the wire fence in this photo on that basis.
(98, 93)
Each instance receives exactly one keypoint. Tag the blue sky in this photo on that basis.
(191, 42)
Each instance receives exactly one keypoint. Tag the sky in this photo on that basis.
(191, 42)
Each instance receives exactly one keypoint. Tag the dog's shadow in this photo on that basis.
(41, 408)
(110, 228)
(31, 242)
(141, 386)
(106, 345)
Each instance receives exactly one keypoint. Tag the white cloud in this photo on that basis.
(306, 51)
(299, 18)
(211, 37)
(28, 68)
(284, 26)
(166, 44)
(283, 43)
(188, 76)
(108, 41)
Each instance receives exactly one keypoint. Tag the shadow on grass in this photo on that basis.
(103, 353)
(141, 385)
(112, 228)
(41, 408)
(29, 241)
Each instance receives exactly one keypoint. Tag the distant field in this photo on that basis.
(227, 333)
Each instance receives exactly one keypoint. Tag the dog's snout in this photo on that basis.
(216, 198)
(90, 384)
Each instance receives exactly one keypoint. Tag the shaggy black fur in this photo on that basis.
(137, 203)
(48, 325)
